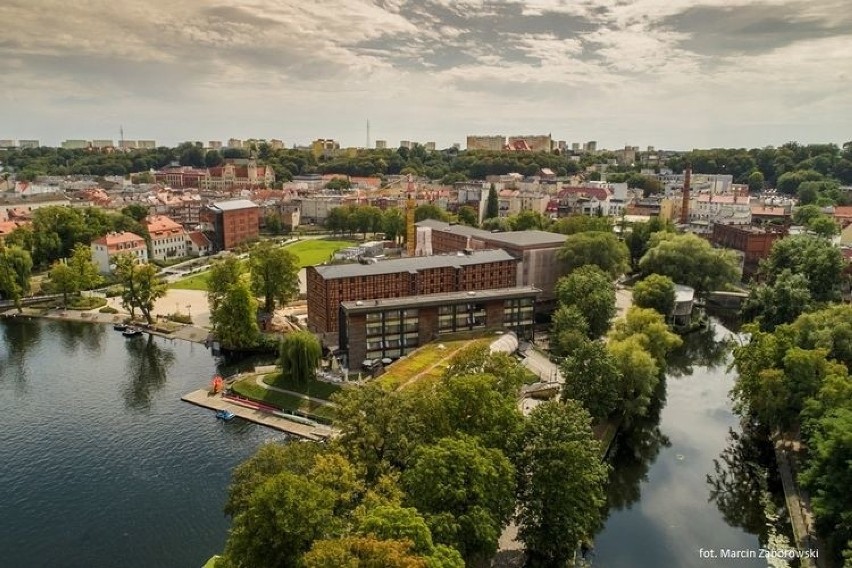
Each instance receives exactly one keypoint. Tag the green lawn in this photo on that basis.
(309, 252)
(314, 388)
(427, 363)
(249, 388)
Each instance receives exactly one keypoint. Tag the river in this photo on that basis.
(101, 464)
(686, 483)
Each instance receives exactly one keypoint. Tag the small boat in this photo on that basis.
(225, 415)
(120, 327)
(131, 332)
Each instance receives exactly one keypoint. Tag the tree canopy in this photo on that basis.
(274, 274)
(656, 292)
(592, 292)
(688, 259)
(597, 248)
(817, 259)
(300, 356)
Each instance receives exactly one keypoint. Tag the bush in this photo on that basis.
(108, 310)
(114, 291)
(86, 303)
(180, 318)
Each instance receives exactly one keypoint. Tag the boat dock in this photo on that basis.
(205, 399)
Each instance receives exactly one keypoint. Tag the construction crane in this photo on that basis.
(410, 228)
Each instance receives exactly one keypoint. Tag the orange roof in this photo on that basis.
(199, 239)
(7, 227)
(843, 211)
(111, 240)
(768, 210)
(160, 225)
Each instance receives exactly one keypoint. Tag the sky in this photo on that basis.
(675, 74)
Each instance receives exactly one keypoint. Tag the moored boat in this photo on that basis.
(132, 332)
(225, 415)
(120, 327)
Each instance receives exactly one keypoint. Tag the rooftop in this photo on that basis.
(234, 205)
(424, 300)
(509, 238)
(413, 264)
(113, 239)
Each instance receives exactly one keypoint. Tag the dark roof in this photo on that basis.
(234, 205)
(359, 306)
(508, 238)
(413, 264)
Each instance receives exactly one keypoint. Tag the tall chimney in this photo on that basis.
(684, 207)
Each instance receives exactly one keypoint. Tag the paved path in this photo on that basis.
(323, 402)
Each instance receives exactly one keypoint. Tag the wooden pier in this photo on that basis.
(205, 399)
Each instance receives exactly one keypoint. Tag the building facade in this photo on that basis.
(106, 248)
(390, 328)
(168, 238)
(231, 223)
(328, 286)
(490, 143)
(755, 243)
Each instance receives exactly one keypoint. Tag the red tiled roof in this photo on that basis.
(7, 227)
(198, 238)
(843, 211)
(599, 193)
(111, 240)
(160, 225)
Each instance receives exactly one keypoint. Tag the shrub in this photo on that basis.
(180, 318)
(108, 310)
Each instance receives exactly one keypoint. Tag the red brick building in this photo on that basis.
(755, 243)
(230, 223)
(328, 286)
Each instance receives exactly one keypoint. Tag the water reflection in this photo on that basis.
(147, 368)
(633, 452)
(75, 334)
(700, 348)
(18, 339)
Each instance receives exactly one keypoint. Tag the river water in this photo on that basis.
(101, 464)
(686, 484)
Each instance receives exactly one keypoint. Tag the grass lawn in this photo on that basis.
(427, 363)
(316, 251)
(249, 388)
(314, 388)
(309, 252)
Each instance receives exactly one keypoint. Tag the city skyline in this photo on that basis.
(674, 75)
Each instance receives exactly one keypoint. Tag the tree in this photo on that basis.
(84, 267)
(815, 258)
(283, 518)
(568, 331)
(362, 552)
(492, 206)
(755, 181)
(592, 292)
(16, 267)
(63, 280)
(274, 274)
(135, 211)
(390, 522)
(592, 378)
(656, 292)
(771, 305)
(429, 211)
(560, 483)
(823, 226)
(300, 356)
(465, 491)
(501, 224)
(141, 285)
(582, 224)
(528, 219)
(803, 214)
(468, 216)
(235, 318)
(603, 250)
(222, 275)
(688, 259)
(640, 374)
(393, 224)
(650, 329)
(273, 223)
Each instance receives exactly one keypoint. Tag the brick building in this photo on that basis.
(328, 286)
(180, 177)
(390, 328)
(755, 243)
(230, 223)
(536, 250)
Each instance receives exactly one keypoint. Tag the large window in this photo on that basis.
(518, 315)
(392, 333)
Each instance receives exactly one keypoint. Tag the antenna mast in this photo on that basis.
(368, 134)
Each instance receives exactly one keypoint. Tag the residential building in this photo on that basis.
(183, 207)
(390, 328)
(106, 248)
(535, 143)
(591, 147)
(127, 144)
(235, 143)
(407, 144)
(381, 144)
(491, 143)
(102, 144)
(708, 209)
(24, 144)
(325, 147)
(238, 174)
(214, 144)
(22, 206)
(168, 239)
(7, 144)
(583, 200)
(429, 146)
(75, 144)
(197, 244)
(146, 144)
(180, 177)
(536, 251)
(328, 286)
(231, 223)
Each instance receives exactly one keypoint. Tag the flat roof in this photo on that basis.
(234, 204)
(425, 300)
(512, 238)
(413, 264)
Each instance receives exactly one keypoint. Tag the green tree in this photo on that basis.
(393, 224)
(755, 181)
(656, 292)
(389, 522)
(468, 216)
(63, 280)
(568, 331)
(501, 224)
(274, 274)
(592, 378)
(560, 483)
(16, 267)
(222, 275)
(592, 292)
(649, 328)
(823, 226)
(300, 356)
(142, 287)
(688, 259)
(85, 269)
(429, 211)
(283, 518)
(582, 224)
(528, 219)
(640, 374)
(803, 214)
(135, 211)
(273, 224)
(362, 552)
(466, 493)
(235, 318)
(771, 305)
(814, 258)
(492, 206)
(603, 250)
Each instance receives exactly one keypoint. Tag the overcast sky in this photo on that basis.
(674, 74)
